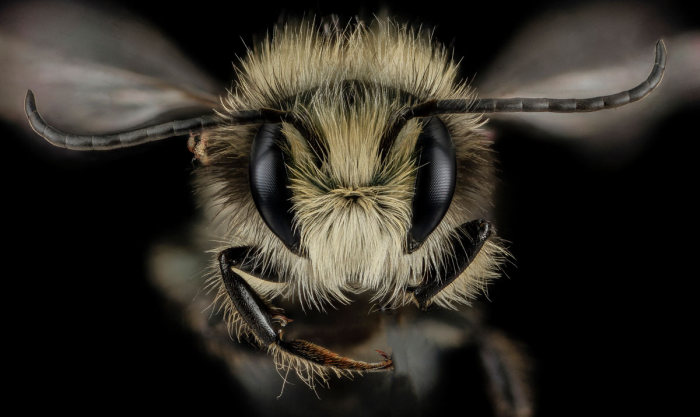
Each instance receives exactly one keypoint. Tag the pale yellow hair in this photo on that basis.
(353, 210)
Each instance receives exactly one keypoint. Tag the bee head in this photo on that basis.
(345, 147)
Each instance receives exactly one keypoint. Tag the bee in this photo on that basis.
(340, 162)
(344, 161)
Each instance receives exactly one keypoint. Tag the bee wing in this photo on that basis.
(595, 50)
(95, 70)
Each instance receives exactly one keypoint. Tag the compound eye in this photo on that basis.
(269, 184)
(435, 181)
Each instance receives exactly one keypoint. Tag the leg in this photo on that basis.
(505, 370)
(251, 308)
(259, 317)
(467, 243)
(238, 257)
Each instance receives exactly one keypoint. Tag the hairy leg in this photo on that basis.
(467, 243)
(259, 318)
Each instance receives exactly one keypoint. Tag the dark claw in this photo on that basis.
(383, 354)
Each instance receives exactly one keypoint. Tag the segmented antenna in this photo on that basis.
(140, 136)
(429, 108)
(115, 140)
(554, 105)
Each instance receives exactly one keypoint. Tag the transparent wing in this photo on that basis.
(594, 50)
(95, 70)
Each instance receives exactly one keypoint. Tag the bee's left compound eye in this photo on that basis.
(268, 184)
(435, 181)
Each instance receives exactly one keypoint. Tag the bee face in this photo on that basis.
(348, 173)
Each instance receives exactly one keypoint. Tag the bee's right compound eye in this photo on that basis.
(435, 181)
(269, 184)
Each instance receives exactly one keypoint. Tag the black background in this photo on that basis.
(599, 294)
